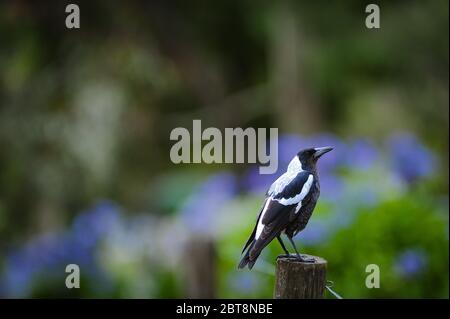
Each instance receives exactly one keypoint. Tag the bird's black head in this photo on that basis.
(308, 157)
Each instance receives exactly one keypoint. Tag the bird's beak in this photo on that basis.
(321, 150)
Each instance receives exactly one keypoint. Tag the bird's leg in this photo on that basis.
(300, 257)
(284, 247)
(295, 248)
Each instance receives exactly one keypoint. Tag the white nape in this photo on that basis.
(294, 167)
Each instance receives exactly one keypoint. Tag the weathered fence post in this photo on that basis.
(200, 267)
(299, 280)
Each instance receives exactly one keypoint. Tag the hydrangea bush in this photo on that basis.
(378, 206)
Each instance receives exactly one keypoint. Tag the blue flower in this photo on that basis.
(91, 225)
(200, 210)
(332, 160)
(315, 233)
(48, 254)
(361, 154)
(409, 158)
(256, 183)
(331, 187)
(288, 146)
(410, 263)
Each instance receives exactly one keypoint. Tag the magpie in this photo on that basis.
(288, 206)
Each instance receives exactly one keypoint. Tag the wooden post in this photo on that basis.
(299, 280)
(200, 267)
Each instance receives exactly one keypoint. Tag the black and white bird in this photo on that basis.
(288, 206)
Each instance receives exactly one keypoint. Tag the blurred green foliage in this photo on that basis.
(378, 235)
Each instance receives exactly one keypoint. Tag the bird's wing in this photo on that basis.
(268, 228)
(281, 204)
(276, 213)
(295, 191)
(272, 211)
(279, 184)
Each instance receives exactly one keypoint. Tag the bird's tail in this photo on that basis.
(254, 250)
(246, 261)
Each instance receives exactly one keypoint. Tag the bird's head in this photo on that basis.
(308, 157)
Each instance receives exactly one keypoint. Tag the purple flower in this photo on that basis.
(95, 222)
(332, 160)
(200, 211)
(48, 254)
(409, 158)
(257, 183)
(288, 147)
(316, 232)
(330, 187)
(410, 263)
(361, 154)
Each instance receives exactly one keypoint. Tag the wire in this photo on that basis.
(334, 293)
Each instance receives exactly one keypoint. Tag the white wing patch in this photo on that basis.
(279, 184)
(299, 197)
(294, 167)
(260, 226)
